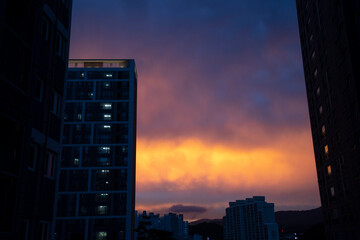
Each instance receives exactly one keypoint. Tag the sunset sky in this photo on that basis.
(222, 110)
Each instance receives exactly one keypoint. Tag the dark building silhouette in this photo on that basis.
(96, 196)
(330, 41)
(34, 37)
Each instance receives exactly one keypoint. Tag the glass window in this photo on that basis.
(104, 149)
(101, 75)
(44, 230)
(79, 90)
(326, 149)
(73, 180)
(56, 103)
(328, 170)
(123, 75)
(33, 156)
(38, 91)
(102, 197)
(102, 210)
(76, 74)
(45, 28)
(112, 90)
(323, 130)
(50, 165)
(70, 156)
(60, 45)
(101, 235)
(332, 191)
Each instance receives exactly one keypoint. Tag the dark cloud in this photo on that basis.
(187, 209)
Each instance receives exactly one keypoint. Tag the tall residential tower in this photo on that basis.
(250, 219)
(330, 42)
(34, 40)
(96, 196)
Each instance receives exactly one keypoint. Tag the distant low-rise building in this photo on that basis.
(169, 222)
(250, 219)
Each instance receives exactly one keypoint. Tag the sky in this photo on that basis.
(222, 109)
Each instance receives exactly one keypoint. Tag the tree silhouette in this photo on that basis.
(145, 232)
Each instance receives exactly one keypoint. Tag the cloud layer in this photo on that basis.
(222, 108)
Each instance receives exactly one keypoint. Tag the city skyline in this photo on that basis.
(222, 110)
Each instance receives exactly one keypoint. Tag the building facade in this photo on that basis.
(168, 222)
(96, 195)
(250, 219)
(34, 40)
(330, 42)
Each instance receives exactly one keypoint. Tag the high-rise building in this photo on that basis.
(34, 40)
(330, 42)
(96, 195)
(250, 219)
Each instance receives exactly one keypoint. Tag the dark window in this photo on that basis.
(101, 75)
(50, 165)
(60, 46)
(33, 156)
(43, 230)
(38, 90)
(76, 74)
(123, 75)
(56, 101)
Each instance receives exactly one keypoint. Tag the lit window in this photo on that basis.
(329, 170)
(106, 106)
(104, 149)
(90, 94)
(101, 210)
(323, 130)
(76, 162)
(102, 197)
(107, 116)
(332, 190)
(104, 172)
(106, 85)
(326, 149)
(101, 235)
(79, 116)
(109, 75)
(107, 126)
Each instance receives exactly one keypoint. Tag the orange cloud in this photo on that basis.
(184, 164)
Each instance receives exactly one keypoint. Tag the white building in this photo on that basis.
(250, 219)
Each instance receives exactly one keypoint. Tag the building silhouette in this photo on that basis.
(330, 42)
(34, 39)
(170, 222)
(96, 195)
(250, 219)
